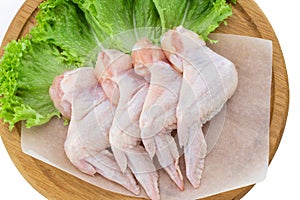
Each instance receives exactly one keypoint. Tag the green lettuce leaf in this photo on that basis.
(200, 16)
(108, 17)
(63, 24)
(26, 73)
(61, 40)
(118, 23)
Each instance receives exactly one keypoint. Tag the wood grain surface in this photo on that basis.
(247, 19)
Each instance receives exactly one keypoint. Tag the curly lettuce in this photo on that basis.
(62, 40)
(63, 24)
(26, 73)
(113, 21)
(202, 17)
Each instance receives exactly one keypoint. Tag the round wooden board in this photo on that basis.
(53, 183)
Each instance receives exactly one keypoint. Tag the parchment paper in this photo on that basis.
(239, 156)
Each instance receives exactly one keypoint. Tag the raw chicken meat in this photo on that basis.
(182, 85)
(158, 117)
(79, 97)
(115, 73)
(209, 80)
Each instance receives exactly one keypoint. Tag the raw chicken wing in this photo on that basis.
(79, 97)
(115, 73)
(158, 117)
(209, 80)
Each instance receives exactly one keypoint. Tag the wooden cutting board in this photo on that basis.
(247, 19)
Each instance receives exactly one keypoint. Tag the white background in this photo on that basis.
(282, 180)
